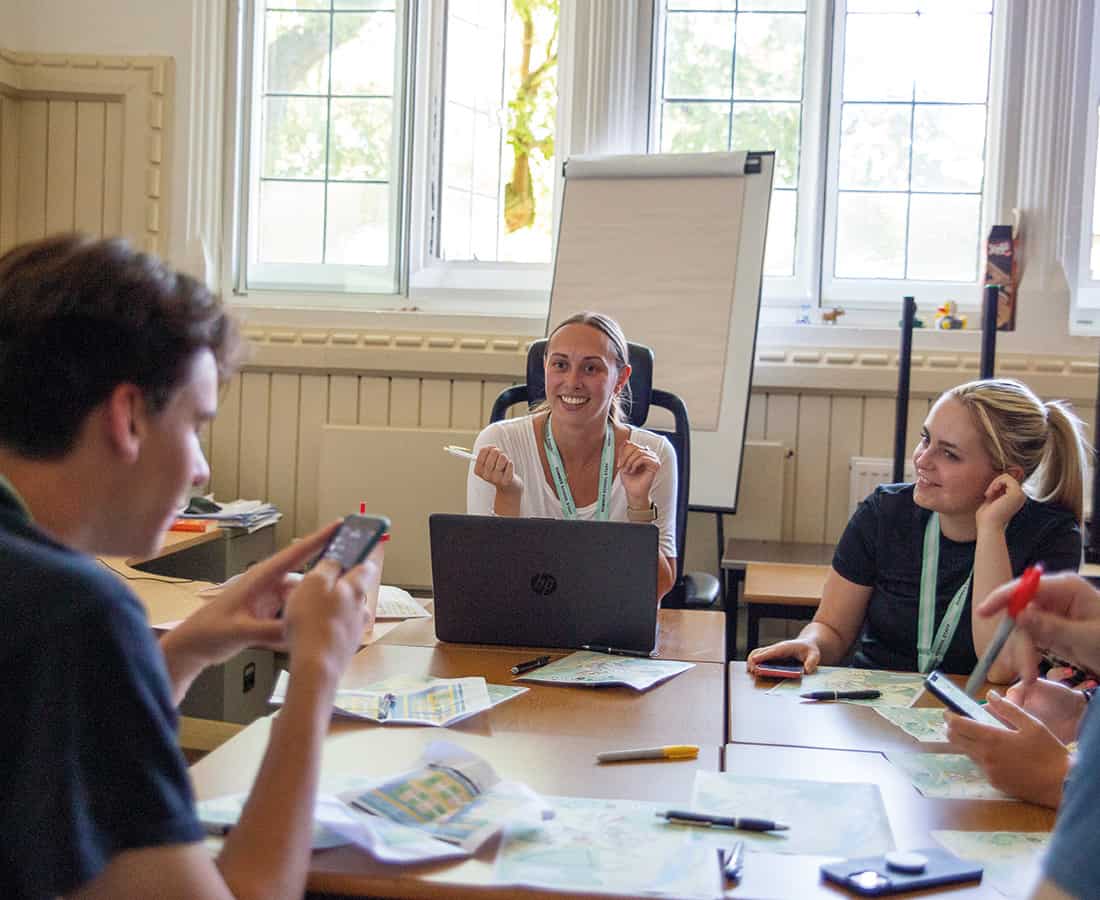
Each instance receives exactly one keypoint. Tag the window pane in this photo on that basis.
(299, 4)
(500, 105)
(699, 56)
(325, 186)
(782, 218)
(870, 235)
(878, 53)
(294, 137)
(1094, 256)
(292, 215)
(770, 126)
(769, 57)
(767, 65)
(363, 53)
(962, 39)
(296, 57)
(695, 127)
(943, 237)
(358, 225)
(362, 135)
(948, 148)
(874, 147)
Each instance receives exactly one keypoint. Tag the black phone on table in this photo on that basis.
(353, 540)
(785, 667)
(957, 700)
(875, 876)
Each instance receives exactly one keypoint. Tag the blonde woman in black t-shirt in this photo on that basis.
(999, 486)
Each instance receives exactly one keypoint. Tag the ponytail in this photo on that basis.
(1060, 477)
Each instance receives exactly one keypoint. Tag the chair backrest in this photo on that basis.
(643, 396)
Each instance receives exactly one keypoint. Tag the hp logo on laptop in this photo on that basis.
(544, 584)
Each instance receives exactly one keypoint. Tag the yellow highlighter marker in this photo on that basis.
(673, 751)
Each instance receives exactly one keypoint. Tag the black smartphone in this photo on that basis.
(786, 667)
(353, 540)
(957, 700)
(874, 876)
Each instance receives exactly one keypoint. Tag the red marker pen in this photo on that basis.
(1021, 597)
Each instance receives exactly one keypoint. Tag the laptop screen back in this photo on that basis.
(544, 582)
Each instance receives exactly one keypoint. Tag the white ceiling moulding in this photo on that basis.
(143, 86)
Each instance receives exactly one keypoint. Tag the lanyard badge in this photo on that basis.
(931, 651)
(561, 483)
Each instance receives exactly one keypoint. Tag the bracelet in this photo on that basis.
(642, 515)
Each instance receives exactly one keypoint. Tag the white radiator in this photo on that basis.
(865, 473)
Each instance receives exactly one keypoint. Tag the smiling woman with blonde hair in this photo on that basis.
(999, 486)
(575, 456)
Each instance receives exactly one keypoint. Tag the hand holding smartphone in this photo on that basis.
(353, 540)
(957, 700)
(785, 667)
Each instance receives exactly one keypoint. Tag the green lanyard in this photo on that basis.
(561, 483)
(931, 653)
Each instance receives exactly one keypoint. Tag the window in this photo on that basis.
(1081, 250)
(878, 111)
(499, 107)
(344, 93)
(326, 197)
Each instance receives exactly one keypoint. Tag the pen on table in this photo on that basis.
(732, 860)
(460, 452)
(538, 662)
(842, 695)
(706, 820)
(1021, 597)
(615, 651)
(671, 751)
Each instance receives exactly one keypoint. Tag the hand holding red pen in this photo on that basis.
(1063, 617)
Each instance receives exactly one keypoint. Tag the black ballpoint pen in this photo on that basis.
(539, 662)
(841, 695)
(706, 820)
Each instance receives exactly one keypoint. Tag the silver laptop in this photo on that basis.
(544, 582)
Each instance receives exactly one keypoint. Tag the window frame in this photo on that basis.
(877, 293)
(1081, 209)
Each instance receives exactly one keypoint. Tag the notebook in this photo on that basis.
(544, 582)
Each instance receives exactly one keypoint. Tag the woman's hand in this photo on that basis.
(799, 648)
(1026, 760)
(494, 466)
(1003, 499)
(638, 467)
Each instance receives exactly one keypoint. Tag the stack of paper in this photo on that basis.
(593, 669)
(251, 515)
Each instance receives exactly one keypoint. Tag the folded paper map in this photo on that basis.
(897, 688)
(946, 776)
(586, 667)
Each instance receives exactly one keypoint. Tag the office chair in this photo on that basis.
(692, 590)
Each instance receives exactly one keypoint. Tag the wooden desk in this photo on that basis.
(759, 717)
(682, 710)
(691, 635)
(739, 553)
(912, 816)
(780, 590)
(562, 766)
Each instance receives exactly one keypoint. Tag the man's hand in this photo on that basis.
(1026, 760)
(242, 613)
(1063, 617)
(1058, 707)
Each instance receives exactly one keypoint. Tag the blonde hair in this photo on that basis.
(611, 329)
(1046, 440)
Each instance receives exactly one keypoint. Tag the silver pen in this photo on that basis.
(732, 861)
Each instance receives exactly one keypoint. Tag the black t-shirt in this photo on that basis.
(89, 762)
(882, 548)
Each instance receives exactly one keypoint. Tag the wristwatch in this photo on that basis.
(642, 515)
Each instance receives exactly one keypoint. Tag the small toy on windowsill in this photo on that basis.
(831, 315)
(948, 317)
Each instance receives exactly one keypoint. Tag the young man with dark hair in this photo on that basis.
(110, 365)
